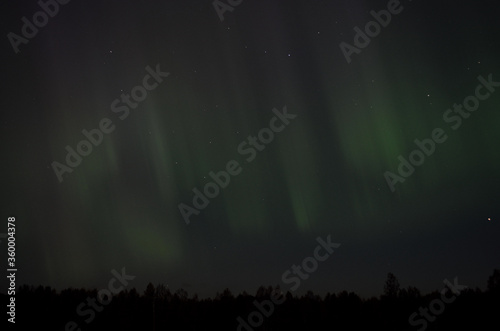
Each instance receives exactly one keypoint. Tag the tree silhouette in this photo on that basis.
(391, 287)
(150, 291)
(158, 309)
(494, 281)
(163, 293)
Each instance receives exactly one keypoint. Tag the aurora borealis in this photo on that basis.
(323, 174)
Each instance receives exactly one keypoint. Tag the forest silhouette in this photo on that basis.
(157, 308)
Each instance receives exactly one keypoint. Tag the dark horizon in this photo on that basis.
(297, 293)
(271, 308)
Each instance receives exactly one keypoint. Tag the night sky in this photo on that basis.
(221, 82)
